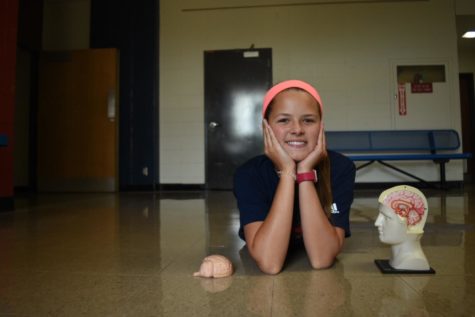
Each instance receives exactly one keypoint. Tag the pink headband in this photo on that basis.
(271, 93)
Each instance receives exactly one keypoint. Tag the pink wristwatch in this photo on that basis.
(307, 176)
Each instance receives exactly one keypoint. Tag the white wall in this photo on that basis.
(348, 51)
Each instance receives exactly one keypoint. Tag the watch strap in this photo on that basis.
(307, 176)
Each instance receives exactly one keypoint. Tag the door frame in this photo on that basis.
(206, 115)
(468, 126)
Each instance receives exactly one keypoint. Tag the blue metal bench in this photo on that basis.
(398, 145)
(3, 140)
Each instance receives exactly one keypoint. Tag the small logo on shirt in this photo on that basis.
(335, 209)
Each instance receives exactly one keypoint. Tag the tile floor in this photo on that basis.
(133, 254)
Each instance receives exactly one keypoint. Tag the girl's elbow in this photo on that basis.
(322, 263)
(267, 264)
(270, 268)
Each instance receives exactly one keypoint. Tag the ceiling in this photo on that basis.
(465, 23)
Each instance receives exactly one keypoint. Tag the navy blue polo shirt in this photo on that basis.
(255, 183)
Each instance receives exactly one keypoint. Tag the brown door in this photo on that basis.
(77, 134)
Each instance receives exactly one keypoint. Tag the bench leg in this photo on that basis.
(442, 172)
(364, 165)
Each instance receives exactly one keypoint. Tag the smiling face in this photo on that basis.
(392, 230)
(295, 120)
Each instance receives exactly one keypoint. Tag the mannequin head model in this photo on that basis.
(402, 216)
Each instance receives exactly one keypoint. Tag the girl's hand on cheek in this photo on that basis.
(274, 151)
(316, 156)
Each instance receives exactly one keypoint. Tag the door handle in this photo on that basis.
(111, 105)
(213, 125)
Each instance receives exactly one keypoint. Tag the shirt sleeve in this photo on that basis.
(343, 181)
(251, 199)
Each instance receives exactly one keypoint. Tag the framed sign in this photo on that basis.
(420, 74)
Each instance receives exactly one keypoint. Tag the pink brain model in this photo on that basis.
(215, 266)
(407, 205)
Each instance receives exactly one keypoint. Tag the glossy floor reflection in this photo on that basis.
(133, 254)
